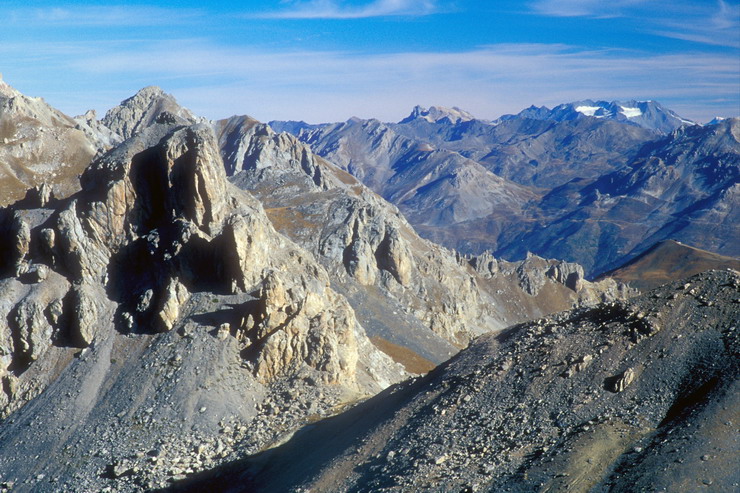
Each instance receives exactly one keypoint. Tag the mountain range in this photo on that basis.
(646, 114)
(191, 305)
(597, 189)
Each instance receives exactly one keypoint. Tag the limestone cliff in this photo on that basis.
(159, 253)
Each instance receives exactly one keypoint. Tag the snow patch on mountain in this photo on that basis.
(646, 114)
(716, 120)
(630, 112)
(590, 110)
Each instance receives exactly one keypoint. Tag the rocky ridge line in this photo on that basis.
(619, 397)
(368, 243)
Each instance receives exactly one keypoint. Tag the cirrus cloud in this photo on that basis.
(712, 23)
(333, 9)
(218, 81)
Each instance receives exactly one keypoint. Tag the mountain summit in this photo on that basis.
(647, 114)
(438, 113)
(143, 109)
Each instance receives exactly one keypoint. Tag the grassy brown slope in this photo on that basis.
(413, 362)
(668, 261)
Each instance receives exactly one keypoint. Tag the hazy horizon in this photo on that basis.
(329, 60)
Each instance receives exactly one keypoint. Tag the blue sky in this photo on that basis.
(329, 60)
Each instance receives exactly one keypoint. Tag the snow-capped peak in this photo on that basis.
(647, 114)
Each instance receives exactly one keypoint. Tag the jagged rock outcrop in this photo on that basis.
(286, 319)
(180, 184)
(33, 320)
(376, 254)
(620, 382)
(535, 273)
(175, 296)
(156, 251)
(569, 274)
(19, 245)
(101, 136)
(148, 106)
(84, 313)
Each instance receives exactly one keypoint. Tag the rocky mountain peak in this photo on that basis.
(149, 92)
(14, 97)
(716, 120)
(438, 113)
(6, 90)
(143, 109)
(646, 114)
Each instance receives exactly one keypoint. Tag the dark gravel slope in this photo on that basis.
(639, 396)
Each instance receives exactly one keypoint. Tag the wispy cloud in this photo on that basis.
(581, 8)
(335, 9)
(218, 81)
(100, 16)
(712, 22)
(715, 24)
(727, 16)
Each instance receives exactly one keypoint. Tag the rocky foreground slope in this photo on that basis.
(632, 396)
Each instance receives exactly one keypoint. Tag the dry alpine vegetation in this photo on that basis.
(194, 305)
